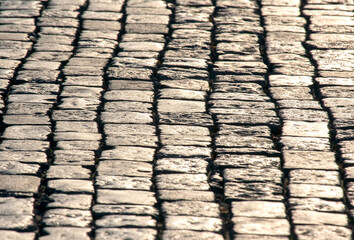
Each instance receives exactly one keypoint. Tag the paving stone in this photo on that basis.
(191, 84)
(314, 177)
(182, 94)
(129, 129)
(125, 197)
(299, 93)
(74, 115)
(82, 127)
(23, 156)
(27, 132)
(182, 182)
(131, 140)
(16, 168)
(71, 186)
(182, 165)
(123, 182)
(314, 190)
(188, 234)
(309, 160)
(259, 131)
(124, 233)
(78, 136)
(253, 191)
(16, 206)
(138, 154)
(184, 151)
(125, 221)
(260, 237)
(261, 226)
(241, 141)
(104, 209)
(316, 204)
(190, 208)
(129, 73)
(65, 233)
(187, 195)
(308, 115)
(19, 183)
(129, 95)
(126, 117)
(62, 217)
(26, 119)
(243, 175)
(193, 223)
(128, 106)
(243, 119)
(79, 103)
(68, 172)
(318, 218)
(183, 130)
(180, 106)
(7, 234)
(16, 222)
(32, 98)
(304, 143)
(144, 28)
(141, 46)
(124, 168)
(17, 108)
(262, 209)
(246, 161)
(71, 201)
(78, 145)
(78, 157)
(94, 81)
(129, 85)
(306, 232)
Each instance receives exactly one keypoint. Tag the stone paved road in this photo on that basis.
(177, 119)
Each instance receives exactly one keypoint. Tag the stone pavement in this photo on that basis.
(177, 119)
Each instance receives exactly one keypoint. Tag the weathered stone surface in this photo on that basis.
(305, 115)
(71, 186)
(319, 218)
(125, 221)
(187, 195)
(190, 208)
(67, 218)
(16, 206)
(104, 209)
(246, 161)
(16, 168)
(304, 143)
(19, 183)
(16, 222)
(23, 156)
(316, 204)
(123, 233)
(182, 165)
(27, 132)
(244, 175)
(124, 168)
(139, 154)
(307, 232)
(68, 172)
(78, 145)
(7, 234)
(262, 209)
(309, 160)
(126, 117)
(125, 197)
(180, 106)
(253, 191)
(128, 106)
(191, 235)
(313, 190)
(182, 182)
(193, 223)
(261, 226)
(314, 177)
(123, 182)
(66, 233)
(71, 201)
(77, 157)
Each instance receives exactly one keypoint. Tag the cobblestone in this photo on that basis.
(139, 119)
